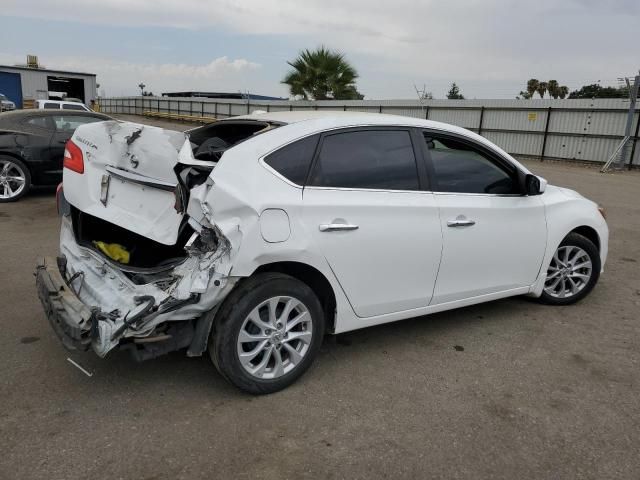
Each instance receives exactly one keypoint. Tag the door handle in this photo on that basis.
(334, 227)
(460, 222)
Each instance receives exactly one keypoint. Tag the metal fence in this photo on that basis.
(581, 129)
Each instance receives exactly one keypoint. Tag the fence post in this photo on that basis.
(202, 108)
(215, 109)
(481, 118)
(546, 134)
(635, 141)
(248, 107)
(426, 113)
(268, 105)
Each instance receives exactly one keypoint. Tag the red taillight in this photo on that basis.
(73, 159)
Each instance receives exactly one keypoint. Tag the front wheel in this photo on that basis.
(573, 271)
(268, 332)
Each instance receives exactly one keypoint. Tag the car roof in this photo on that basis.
(298, 124)
(13, 120)
(340, 119)
(57, 101)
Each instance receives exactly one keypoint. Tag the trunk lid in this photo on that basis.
(129, 178)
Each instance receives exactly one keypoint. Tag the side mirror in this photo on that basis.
(543, 184)
(534, 185)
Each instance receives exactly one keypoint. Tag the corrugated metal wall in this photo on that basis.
(584, 129)
(34, 83)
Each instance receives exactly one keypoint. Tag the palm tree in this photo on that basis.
(563, 91)
(322, 74)
(542, 89)
(554, 88)
(532, 86)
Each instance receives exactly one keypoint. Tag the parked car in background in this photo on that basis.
(6, 105)
(259, 234)
(32, 146)
(61, 105)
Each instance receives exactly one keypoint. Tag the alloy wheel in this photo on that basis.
(275, 337)
(569, 272)
(12, 179)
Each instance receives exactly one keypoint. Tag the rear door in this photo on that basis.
(494, 236)
(367, 207)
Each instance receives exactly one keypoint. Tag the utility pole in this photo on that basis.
(622, 150)
(633, 96)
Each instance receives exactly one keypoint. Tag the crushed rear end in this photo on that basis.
(142, 266)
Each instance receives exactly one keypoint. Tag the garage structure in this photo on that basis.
(23, 85)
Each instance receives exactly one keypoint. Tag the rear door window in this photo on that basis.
(51, 106)
(370, 159)
(293, 161)
(68, 123)
(73, 107)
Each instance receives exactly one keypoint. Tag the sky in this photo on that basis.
(488, 47)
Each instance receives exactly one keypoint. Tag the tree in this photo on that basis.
(524, 95)
(542, 89)
(322, 74)
(554, 88)
(563, 91)
(598, 91)
(532, 87)
(454, 92)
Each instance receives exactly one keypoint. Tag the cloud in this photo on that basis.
(122, 78)
(481, 44)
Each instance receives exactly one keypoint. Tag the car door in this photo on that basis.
(494, 236)
(367, 206)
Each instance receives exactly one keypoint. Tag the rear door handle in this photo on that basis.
(460, 222)
(334, 227)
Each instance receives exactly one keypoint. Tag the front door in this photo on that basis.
(366, 210)
(494, 237)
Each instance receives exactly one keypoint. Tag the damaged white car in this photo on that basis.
(253, 237)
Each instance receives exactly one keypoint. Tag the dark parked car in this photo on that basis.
(32, 146)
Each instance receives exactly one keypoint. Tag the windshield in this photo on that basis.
(2, 97)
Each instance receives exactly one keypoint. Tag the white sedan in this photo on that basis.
(257, 235)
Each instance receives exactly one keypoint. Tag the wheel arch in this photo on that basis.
(17, 157)
(312, 277)
(589, 233)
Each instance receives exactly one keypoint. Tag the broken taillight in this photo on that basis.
(73, 159)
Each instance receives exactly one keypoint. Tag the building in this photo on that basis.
(221, 95)
(25, 84)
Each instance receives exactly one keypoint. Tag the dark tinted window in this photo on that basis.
(73, 107)
(459, 167)
(293, 161)
(52, 106)
(40, 122)
(70, 122)
(376, 159)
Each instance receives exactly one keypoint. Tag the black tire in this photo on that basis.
(577, 240)
(223, 343)
(19, 164)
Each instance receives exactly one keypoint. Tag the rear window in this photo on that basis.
(293, 161)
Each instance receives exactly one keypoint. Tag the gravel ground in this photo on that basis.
(509, 389)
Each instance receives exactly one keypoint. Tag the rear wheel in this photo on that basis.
(573, 272)
(268, 333)
(15, 179)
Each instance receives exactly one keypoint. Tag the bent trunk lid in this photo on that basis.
(129, 178)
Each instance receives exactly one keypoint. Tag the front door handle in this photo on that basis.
(460, 222)
(334, 227)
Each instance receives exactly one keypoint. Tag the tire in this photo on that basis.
(563, 277)
(11, 169)
(244, 325)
